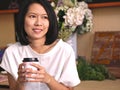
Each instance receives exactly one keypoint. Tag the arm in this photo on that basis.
(14, 85)
(54, 85)
(11, 82)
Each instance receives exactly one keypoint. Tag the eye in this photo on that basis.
(32, 16)
(45, 17)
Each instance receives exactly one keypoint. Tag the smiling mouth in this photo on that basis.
(37, 30)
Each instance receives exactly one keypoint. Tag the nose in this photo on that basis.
(38, 21)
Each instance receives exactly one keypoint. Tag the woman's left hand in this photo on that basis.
(39, 75)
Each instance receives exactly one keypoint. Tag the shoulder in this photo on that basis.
(65, 46)
(14, 47)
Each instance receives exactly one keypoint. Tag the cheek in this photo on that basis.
(47, 24)
(27, 24)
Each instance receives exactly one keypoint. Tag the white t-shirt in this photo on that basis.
(59, 62)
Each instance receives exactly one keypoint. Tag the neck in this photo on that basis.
(38, 47)
(37, 43)
(41, 48)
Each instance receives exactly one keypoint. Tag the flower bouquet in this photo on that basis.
(72, 16)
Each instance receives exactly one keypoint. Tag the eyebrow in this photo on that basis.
(36, 13)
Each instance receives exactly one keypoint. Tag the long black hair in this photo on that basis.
(52, 33)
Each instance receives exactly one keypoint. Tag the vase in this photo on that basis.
(72, 40)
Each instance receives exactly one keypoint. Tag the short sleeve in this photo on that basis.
(9, 64)
(69, 75)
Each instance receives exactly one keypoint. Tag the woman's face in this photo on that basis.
(36, 22)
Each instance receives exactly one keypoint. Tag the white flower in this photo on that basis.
(52, 4)
(83, 5)
(74, 17)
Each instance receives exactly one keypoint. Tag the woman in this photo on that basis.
(37, 35)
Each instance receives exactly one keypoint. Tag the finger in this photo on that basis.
(36, 74)
(22, 78)
(37, 66)
(20, 67)
(36, 78)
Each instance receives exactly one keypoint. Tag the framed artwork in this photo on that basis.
(106, 51)
(106, 48)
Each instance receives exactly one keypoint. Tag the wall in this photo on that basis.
(105, 19)
(7, 34)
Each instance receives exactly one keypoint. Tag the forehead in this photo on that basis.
(36, 8)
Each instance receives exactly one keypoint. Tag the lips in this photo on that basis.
(37, 30)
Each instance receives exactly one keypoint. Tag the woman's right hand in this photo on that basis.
(23, 72)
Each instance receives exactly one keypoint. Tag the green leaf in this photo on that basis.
(61, 13)
(89, 71)
(73, 1)
(56, 2)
